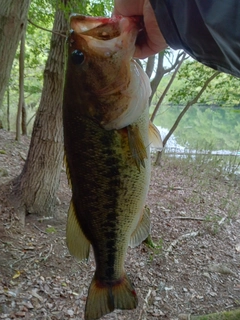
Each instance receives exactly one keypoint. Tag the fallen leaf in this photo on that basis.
(17, 275)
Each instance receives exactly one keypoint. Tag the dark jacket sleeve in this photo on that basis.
(208, 30)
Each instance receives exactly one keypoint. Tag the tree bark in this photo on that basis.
(150, 65)
(24, 119)
(8, 108)
(21, 86)
(158, 77)
(13, 19)
(35, 188)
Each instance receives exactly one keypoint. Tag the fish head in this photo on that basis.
(100, 52)
(102, 38)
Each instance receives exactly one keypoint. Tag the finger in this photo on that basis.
(128, 8)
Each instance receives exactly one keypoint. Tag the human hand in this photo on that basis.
(150, 40)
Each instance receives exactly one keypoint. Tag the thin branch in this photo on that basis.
(50, 251)
(188, 105)
(31, 119)
(39, 229)
(45, 29)
(185, 218)
(145, 304)
(168, 86)
(176, 241)
(173, 66)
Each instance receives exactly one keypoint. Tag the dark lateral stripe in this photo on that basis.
(96, 172)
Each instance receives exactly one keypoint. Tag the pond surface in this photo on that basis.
(208, 128)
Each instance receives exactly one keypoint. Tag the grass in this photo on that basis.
(155, 249)
(213, 182)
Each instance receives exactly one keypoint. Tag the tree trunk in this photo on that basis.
(21, 86)
(13, 19)
(150, 65)
(35, 189)
(24, 119)
(158, 77)
(8, 108)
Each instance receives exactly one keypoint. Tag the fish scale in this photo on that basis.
(107, 155)
(112, 184)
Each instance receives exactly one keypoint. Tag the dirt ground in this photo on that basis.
(194, 268)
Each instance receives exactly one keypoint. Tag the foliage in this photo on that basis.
(89, 7)
(41, 13)
(36, 52)
(222, 91)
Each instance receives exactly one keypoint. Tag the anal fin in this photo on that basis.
(78, 245)
(138, 150)
(142, 230)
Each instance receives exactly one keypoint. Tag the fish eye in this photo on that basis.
(77, 57)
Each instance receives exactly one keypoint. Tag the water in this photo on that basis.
(213, 128)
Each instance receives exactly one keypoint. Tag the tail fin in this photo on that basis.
(104, 298)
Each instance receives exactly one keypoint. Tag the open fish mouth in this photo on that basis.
(106, 35)
(102, 28)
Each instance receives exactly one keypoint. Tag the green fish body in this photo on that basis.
(107, 154)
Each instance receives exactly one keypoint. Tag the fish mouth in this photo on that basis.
(99, 28)
(106, 36)
(112, 26)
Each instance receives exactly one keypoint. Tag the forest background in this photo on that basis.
(31, 78)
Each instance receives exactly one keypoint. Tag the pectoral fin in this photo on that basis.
(78, 245)
(154, 136)
(138, 150)
(142, 230)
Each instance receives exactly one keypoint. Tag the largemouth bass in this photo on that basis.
(106, 141)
